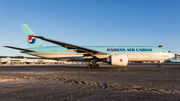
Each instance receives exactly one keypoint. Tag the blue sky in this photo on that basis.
(92, 22)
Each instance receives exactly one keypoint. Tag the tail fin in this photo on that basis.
(31, 41)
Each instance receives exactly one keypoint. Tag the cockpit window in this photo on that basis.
(169, 51)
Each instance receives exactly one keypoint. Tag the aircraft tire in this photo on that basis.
(159, 65)
(89, 66)
(97, 66)
(93, 66)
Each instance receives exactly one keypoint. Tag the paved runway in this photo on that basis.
(76, 82)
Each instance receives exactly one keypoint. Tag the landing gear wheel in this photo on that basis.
(89, 66)
(93, 66)
(97, 66)
(159, 65)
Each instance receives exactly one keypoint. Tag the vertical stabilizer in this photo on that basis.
(31, 41)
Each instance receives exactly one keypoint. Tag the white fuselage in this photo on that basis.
(131, 56)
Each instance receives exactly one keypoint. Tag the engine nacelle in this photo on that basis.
(118, 60)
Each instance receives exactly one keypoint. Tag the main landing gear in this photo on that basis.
(159, 64)
(93, 63)
(93, 66)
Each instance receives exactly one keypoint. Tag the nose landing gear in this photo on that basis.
(159, 64)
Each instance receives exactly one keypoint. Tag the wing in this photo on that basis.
(27, 50)
(72, 47)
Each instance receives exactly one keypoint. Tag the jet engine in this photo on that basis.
(118, 60)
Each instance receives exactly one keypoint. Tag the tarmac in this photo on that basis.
(75, 82)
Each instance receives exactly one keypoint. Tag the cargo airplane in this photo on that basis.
(113, 55)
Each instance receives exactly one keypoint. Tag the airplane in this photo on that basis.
(113, 55)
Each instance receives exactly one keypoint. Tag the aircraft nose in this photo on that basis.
(170, 55)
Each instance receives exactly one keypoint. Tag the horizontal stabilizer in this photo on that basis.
(28, 50)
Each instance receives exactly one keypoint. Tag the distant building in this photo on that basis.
(177, 56)
(11, 60)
